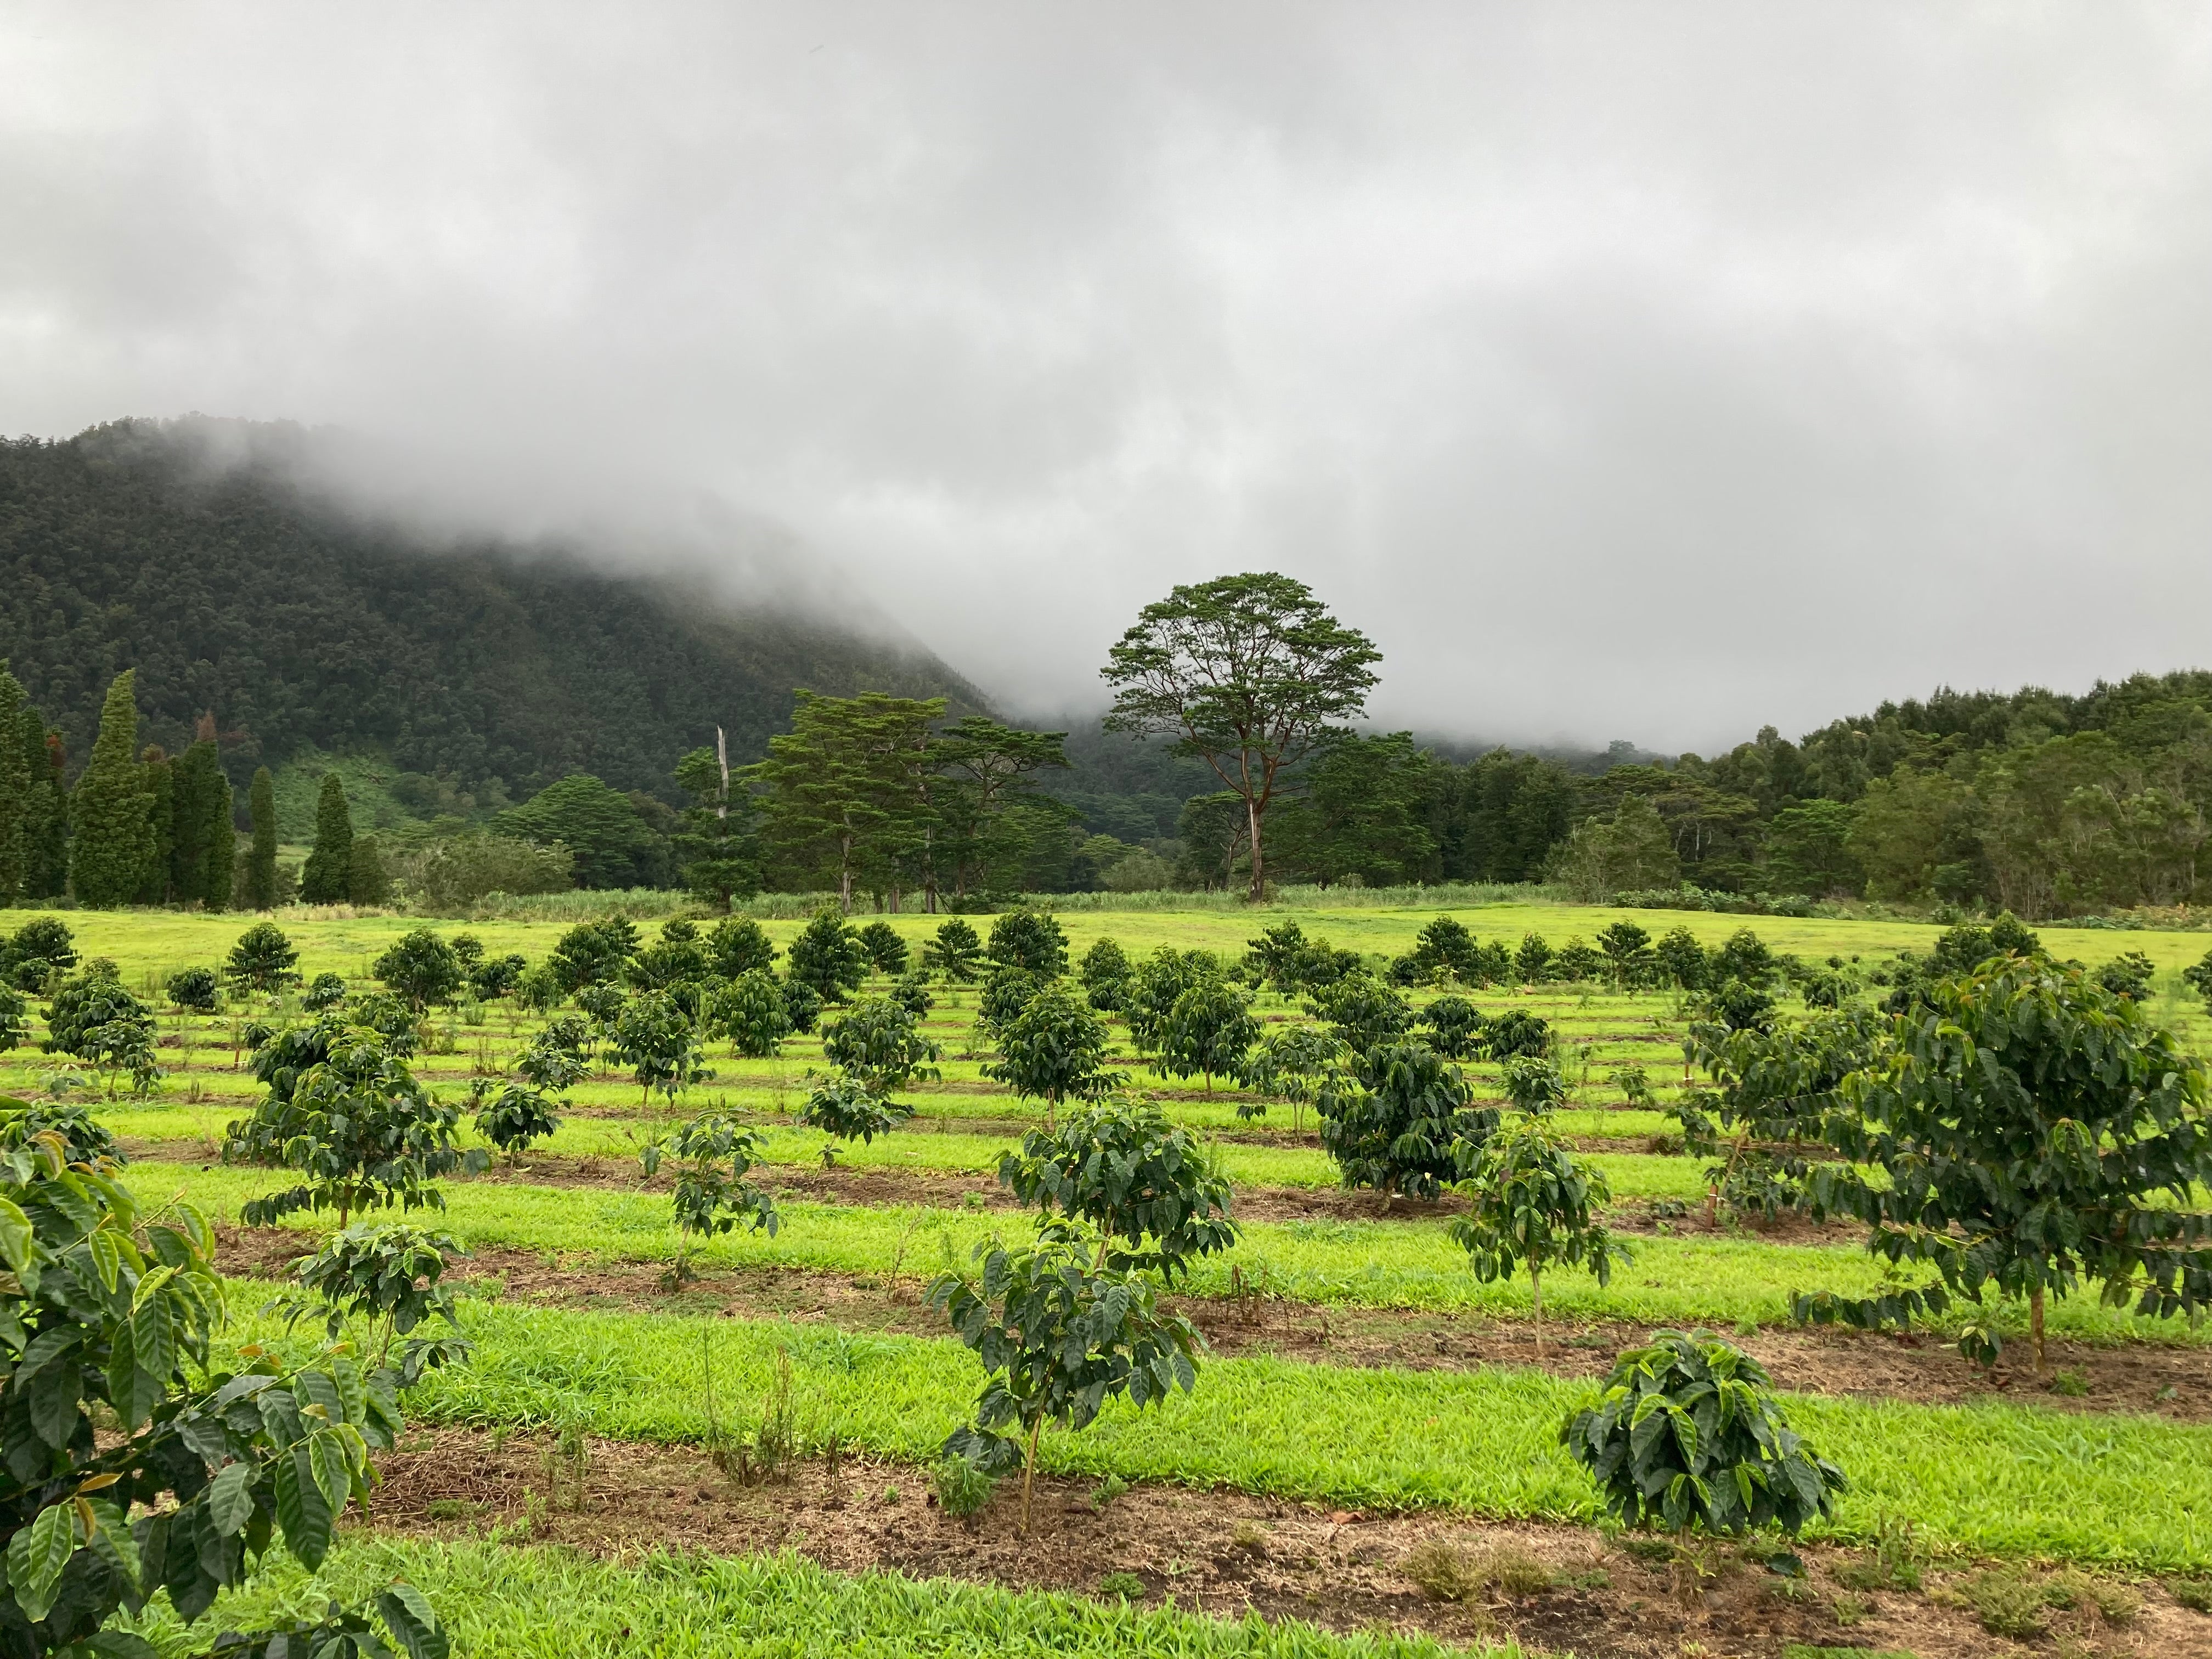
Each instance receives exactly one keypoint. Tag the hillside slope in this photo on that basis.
(231, 591)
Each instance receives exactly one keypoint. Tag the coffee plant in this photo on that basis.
(1156, 1196)
(1291, 1065)
(114, 1406)
(196, 989)
(1053, 1051)
(657, 1040)
(955, 951)
(738, 946)
(1105, 974)
(1533, 1083)
(1058, 1339)
(1533, 1204)
(389, 1276)
(749, 1012)
(1208, 1033)
(1363, 1012)
(421, 968)
(262, 959)
(713, 1155)
(343, 1110)
(886, 952)
(827, 957)
(1029, 940)
(1454, 1027)
(1401, 1118)
(95, 1018)
(880, 1045)
(1687, 1437)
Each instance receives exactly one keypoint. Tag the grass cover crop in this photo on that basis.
(1995, 1478)
(1386, 1264)
(552, 1603)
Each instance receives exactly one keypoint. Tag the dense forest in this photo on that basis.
(488, 671)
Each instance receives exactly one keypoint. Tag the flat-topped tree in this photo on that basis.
(1249, 673)
(343, 1111)
(2035, 1131)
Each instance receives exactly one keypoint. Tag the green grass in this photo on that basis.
(502, 1602)
(1374, 1264)
(1991, 1478)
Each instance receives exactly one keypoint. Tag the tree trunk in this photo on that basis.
(1259, 871)
(2035, 1327)
(1029, 1473)
(1536, 1301)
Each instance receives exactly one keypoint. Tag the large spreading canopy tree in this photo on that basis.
(1247, 673)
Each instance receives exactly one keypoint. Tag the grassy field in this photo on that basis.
(2000, 1477)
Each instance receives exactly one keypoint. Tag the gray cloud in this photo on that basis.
(1626, 371)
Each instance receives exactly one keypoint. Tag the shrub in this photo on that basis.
(847, 1109)
(95, 1018)
(1289, 1065)
(14, 1021)
(1532, 959)
(827, 957)
(1577, 963)
(801, 1005)
(1532, 1203)
(1208, 1032)
(749, 1012)
(262, 959)
(196, 989)
(657, 1040)
(1053, 1051)
(1455, 1027)
(343, 1110)
(387, 1275)
(880, 1045)
(1445, 949)
(452, 874)
(211, 1462)
(954, 951)
(1401, 1119)
(497, 976)
(1517, 1032)
(421, 968)
(593, 953)
(1031, 941)
(1687, 1437)
(1152, 1188)
(912, 993)
(1154, 989)
(738, 946)
(1007, 992)
(1364, 1013)
(1106, 973)
(886, 951)
(1533, 1083)
(42, 946)
(323, 994)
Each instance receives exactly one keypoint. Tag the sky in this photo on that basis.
(1637, 372)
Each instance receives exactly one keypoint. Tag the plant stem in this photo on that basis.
(2035, 1328)
(1028, 1472)
(1536, 1297)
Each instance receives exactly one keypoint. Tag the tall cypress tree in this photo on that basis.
(199, 776)
(261, 860)
(158, 776)
(219, 868)
(112, 841)
(14, 788)
(45, 816)
(328, 878)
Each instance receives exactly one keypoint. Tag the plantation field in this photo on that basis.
(2114, 1477)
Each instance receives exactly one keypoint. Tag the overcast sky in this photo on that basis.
(1649, 372)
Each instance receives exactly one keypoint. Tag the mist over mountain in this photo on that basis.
(239, 585)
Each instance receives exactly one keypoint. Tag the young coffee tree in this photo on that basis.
(660, 1043)
(524, 1109)
(1007, 992)
(343, 1111)
(1053, 1050)
(1532, 959)
(386, 1275)
(713, 1154)
(750, 1011)
(1208, 1033)
(1401, 1118)
(1533, 1204)
(1629, 959)
(886, 951)
(1687, 1439)
(262, 959)
(1533, 1083)
(2035, 1131)
(877, 1048)
(95, 1018)
(421, 968)
(738, 946)
(1679, 961)
(1444, 950)
(1363, 1012)
(108, 1322)
(1031, 941)
(827, 957)
(14, 1018)
(955, 951)
(1058, 1339)
(1455, 1027)
(1105, 974)
(1154, 1192)
(2198, 976)
(197, 990)
(1155, 986)
(593, 953)
(1289, 1065)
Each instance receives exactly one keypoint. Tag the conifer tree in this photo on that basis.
(14, 788)
(261, 860)
(45, 817)
(219, 864)
(159, 778)
(198, 780)
(113, 841)
(367, 882)
(328, 877)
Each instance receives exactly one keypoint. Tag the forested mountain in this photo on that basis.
(231, 590)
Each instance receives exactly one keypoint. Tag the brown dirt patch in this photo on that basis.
(2172, 1382)
(1226, 1554)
